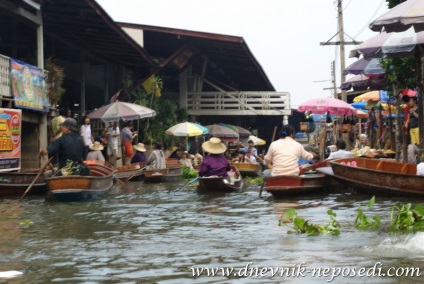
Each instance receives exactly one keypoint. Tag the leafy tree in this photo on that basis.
(392, 3)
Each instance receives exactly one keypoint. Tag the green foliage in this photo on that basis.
(189, 173)
(167, 113)
(253, 181)
(363, 222)
(400, 73)
(392, 3)
(407, 219)
(302, 226)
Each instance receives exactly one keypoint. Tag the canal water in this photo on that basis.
(149, 233)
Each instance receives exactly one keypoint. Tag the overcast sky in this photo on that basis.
(283, 35)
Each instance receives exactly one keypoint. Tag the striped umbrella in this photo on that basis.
(187, 129)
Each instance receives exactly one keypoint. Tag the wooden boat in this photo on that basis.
(81, 188)
(15, 183)
(248, 169)
(377, 176)
(220, 184)
(155, 175)
(309, 181)
(132, 170)
(173, 172)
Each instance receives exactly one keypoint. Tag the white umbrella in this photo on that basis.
(120, 110)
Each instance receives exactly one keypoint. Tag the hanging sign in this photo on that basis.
(28, 86)
(10, 139)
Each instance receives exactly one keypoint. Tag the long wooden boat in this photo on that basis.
(132, 170)
(377, 176)
(81, 188)
(155, 175)
(220, 184)
(174, 172)
(15, 183)
(309, 181)
(248, 169)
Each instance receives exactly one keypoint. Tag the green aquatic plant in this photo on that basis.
(189, 173)
(302, 226)
(363, 222)
(407, 219)
(253, 181)
(26, 222)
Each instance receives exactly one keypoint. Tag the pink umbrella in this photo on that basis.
(331, 106)
(401, 17)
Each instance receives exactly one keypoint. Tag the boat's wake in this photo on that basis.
(400, 246)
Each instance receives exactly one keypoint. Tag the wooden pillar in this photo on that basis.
(106, 83)
(82, 86)
(42, 128)
(183, 89)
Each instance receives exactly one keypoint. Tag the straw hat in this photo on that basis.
(96, 146)
(214, 146)
(140, 147)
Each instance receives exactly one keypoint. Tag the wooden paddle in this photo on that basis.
(262, 187)
(134, 174)
(38, 175)
(190, 182)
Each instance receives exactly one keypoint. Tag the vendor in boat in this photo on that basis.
(341, 152)
(215, 164)
(250, 147)
(249, 158)
(284, 153)
(95, 153)
(156, 159)
(140, 154)
(186, 160)
(69, 146)
(241, 157)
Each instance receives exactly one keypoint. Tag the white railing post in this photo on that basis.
(5, 76)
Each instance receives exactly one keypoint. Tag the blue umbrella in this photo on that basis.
(359, 105)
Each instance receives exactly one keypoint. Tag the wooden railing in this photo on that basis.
(238, 103)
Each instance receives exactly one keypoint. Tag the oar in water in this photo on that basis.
(262, 187)
(190, 182)
(134, 174)
(38, 175)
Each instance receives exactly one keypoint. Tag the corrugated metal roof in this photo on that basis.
(84, 24)
(229, 58)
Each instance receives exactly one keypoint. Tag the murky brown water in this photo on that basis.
(146, 233)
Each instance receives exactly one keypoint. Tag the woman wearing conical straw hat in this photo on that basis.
(140, 155)
(95, 153)
(215, 164)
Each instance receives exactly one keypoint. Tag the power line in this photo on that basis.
(369, 21)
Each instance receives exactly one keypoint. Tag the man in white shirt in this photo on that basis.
(284, 153)
(341, 152)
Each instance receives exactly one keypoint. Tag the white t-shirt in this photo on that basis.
(85, 132)
(420, 169)
(111, 140)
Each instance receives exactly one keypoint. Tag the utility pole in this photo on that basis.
(333, 78)
(342, 44)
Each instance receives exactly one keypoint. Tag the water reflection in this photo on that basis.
(148, 233)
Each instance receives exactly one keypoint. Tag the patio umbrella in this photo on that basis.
(327, 105)
(370, 96)
(365, 66)
(392, 44)
(362, 82)
(187, 129)
(361, 114)
(121, 110)
(222, 132)
(359, 105)
(243, 132)
(401, 17)
(257, 141)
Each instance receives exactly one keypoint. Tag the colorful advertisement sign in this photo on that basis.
(10, 139)
(28, 86)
